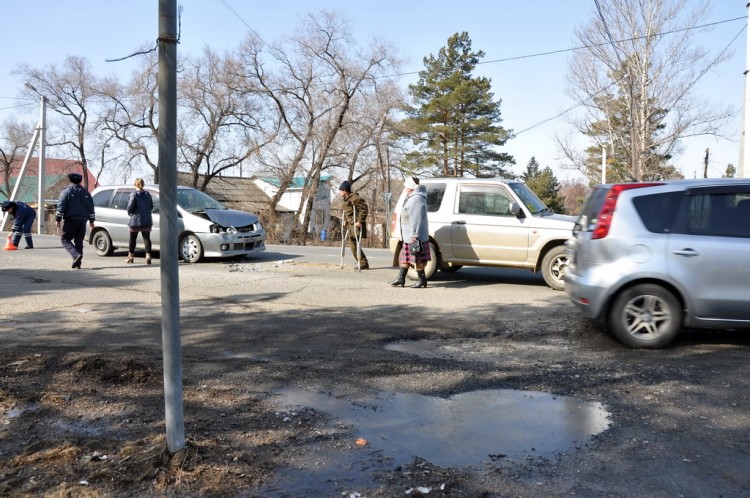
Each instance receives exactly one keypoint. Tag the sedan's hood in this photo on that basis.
(231, 218)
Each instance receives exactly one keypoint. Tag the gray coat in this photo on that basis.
(414, 216)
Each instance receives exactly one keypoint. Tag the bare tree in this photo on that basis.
(221, 122)
(13, 147)
(130, 118)
(573, 194)
(313, 80)
(635, 77)
(71, 92)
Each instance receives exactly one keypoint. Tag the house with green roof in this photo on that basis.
(55, 180)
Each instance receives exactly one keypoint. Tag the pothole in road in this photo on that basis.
(467, 429)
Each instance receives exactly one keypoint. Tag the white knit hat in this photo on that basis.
(410, 183)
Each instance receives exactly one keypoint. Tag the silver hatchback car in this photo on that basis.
(647, 259)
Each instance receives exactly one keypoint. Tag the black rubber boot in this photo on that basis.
(422, 282)
(401, 280)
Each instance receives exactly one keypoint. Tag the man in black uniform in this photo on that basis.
(74, 209)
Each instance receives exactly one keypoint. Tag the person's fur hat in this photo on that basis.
(75, 177)
(346, 186)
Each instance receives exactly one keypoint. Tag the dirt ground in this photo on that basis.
(79, 422)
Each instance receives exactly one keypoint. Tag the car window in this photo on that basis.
(435, 194)
(657, 211)
(155, 200)
(719, 214)
(484, 199)
(529, 198)
(591, 208)
(121, 199)
(101, 198)
(195, 201)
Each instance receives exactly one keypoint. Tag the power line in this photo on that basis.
(614, 82)
(234, 12)
(583, 47)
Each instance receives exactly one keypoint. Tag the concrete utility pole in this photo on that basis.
(743, 166)
(41, 170)
(705, 165)
(170, 285)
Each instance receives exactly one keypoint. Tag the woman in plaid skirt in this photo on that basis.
(413, 231)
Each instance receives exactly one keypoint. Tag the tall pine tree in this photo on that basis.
(455, 123)
(544, 184)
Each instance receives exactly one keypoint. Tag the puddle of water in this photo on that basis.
(467, 429)
(17, 412)
(79, 427)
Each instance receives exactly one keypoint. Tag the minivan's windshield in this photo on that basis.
(535, 205)
(195, 201)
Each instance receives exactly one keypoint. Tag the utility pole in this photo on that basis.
(41, 170)
(705, 165)
(743, 166)
(170, 286)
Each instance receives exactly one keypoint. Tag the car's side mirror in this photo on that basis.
(515, 208)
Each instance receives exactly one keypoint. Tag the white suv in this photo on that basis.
(490, 222)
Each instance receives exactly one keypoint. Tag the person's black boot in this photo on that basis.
(422, 282)
(401, 280)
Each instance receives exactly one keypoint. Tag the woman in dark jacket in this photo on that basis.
(140, 205)
(414, 234)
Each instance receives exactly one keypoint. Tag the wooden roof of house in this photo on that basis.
(234, 192)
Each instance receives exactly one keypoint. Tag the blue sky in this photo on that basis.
(532, 89)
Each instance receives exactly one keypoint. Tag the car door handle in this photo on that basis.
(459, 222)
(686, 252)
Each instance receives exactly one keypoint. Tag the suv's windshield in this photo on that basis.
(194, 201)
(533, 203)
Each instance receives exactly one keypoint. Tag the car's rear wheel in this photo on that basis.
(102, 243)
(645, 316)
(554, 266)
(191, 249)
(432, 266)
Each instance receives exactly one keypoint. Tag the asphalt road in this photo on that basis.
(103, 282)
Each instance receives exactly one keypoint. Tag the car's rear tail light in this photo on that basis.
(393, 222)
(604, 219)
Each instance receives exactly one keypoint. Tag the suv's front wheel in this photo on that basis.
(554, 266)
(645, 316)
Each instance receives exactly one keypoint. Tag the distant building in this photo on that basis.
(254, 195)
(292, 197)
(55, 180)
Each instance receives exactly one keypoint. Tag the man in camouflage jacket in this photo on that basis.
(354, 202)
